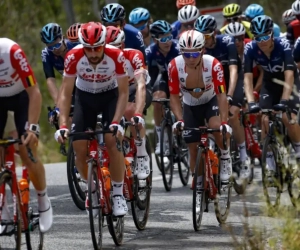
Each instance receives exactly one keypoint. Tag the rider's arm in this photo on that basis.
(233, 66)
(220, 89)
(296, 52)
(289, 67)
(174, 90)
(248, 72)
(260, 79)
(139, 44)
(290, 34)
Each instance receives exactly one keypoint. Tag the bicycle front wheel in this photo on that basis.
(183, 161)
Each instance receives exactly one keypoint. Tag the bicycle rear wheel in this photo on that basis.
(199, 192)
(34, 237)
(76, 184)
(166, 154)
(116, 228)
(96, 221)
(157, 157)
(141, 204)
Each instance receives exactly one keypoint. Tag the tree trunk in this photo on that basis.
(68, 7)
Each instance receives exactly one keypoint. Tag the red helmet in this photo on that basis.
(72, 32)
(182, 3)
(92, 34)
(114, 36)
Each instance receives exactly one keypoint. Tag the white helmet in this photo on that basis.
(191, 39)
(296, 7)
(235, 29)
(188, 14)
(288, 16)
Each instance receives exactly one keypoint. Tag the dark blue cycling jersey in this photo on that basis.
(281, 58)
(296, 52)
(133, 38)
(176, 26)
(51, 61)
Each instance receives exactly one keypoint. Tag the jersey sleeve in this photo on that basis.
(47, 67)
(248, 58)
(296, 52)
(140, 43)
(232, 51)
(70, 63)
(137, 59)
(20, 63)
(288, 55)
(290, 34)
(218, 77)
(120, 63)
(173, 78)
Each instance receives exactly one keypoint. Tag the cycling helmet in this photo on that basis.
(72, 32)
(114, 36)
(232, 10)
(50, 32)
(288, 16)
(182, 3)
(160, 27)
(254, 10)
(112, 13)
(276, 30)
(92, 34)
(235, 29)
(205, 23)
(261, 25)
(138, 15)
(191, 39)
(188, 14)
(296, 7)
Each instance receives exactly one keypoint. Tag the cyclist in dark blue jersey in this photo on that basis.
(158, 56)
(274, 55)
(114, 15)
(53, 55)
(140, 18)
(223, 48)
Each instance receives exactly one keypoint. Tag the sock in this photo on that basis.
(158, 130)
(225, 154)
(43, 202)
(141, 147)
(243, 153)
(117, 188)
(199, 179)
(297, 149)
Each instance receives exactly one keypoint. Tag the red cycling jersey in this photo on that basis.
(15, 71)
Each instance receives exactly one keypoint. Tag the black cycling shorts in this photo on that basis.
(88, 106)
(132, 91)
(195, 116)
(19, 105)
(162, 84)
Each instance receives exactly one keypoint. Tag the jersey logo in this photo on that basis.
(220, 74)
(247, 47)
(139, 36)
(275, 69)
(44, 55)
(228, 40)
(285, 44)
(68, 59)
(137, 61)
(22, 60)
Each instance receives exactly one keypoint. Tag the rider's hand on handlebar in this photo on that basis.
(226, 127)
(138, 120)
(29, 138)
(61, 134)
(284, 102)
(117, 130)
(253, 107)
(178, 126)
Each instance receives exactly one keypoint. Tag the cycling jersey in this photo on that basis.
(247, 28)
(212, 74)
(52, 61)
(176, 26)
(293, 31)
(15, 71)
(134, 38)
(281, 59)
(255, 68)
(98, 80)
(296, 52)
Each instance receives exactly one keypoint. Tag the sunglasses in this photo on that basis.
(239, 38)
(55, 46)
(165, 39)
(263, 38)
(232, 19)
(209, 35)
(140, 28)
(93, 49)
(192, 54)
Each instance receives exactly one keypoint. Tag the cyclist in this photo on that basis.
(201, 80)
(114, 14)
(101, 86)
(140, 95)
(176, 26)
(20, 93)
(53, 56)
(274, 55)
(232, 13)
(140, 18)
(72, 32)
(293, 29)
(287, 17)
(223, 48)
(296, 52)
(158, 55)
(237, 31)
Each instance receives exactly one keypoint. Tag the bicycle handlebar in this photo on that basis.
(137, 131)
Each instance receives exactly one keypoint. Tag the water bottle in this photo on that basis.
(106, 177)
(24, 192)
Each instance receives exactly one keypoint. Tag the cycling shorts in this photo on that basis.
(132, 92)
(162, 84)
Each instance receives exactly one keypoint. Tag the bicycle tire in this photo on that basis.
(183, 159)
(78, 196)
(155, 141)
(164, 169)
(116, 231)
(33, 224)
(96, 236)
(278, 176)
(138, 204)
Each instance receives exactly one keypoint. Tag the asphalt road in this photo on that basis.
(170, 223)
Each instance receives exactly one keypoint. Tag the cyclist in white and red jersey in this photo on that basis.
(20, 93)
(101, 86)
(201, 80)
(140, 95)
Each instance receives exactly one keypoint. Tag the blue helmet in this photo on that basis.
(160, 27)
(112, 13)
(205, 23)
(261, 25)
(138, 15)
(254, 10)
(50, 32)
(276, 30)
